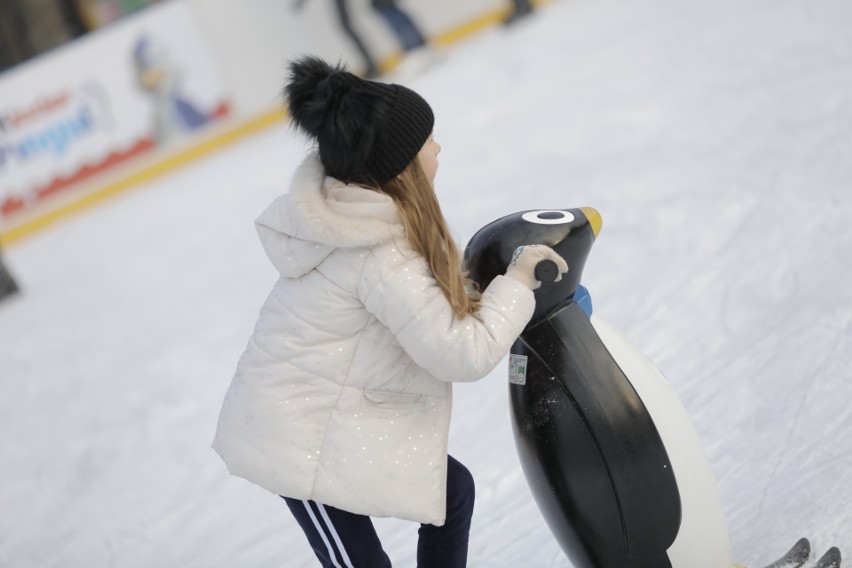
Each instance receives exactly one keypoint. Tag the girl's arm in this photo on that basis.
(401, 293)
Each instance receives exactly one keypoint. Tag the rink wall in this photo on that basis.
(173, 82)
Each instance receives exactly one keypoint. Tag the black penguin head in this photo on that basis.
(570, 232)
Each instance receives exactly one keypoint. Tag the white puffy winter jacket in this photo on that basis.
(343, 394)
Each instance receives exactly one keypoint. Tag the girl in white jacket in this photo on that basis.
(341, 401)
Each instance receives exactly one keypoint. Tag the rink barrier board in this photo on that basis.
(210, 143)
(160, 167)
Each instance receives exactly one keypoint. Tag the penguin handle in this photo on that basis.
(546, 271)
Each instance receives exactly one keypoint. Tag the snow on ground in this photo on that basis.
(714, 137)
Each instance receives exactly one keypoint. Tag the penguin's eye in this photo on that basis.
(548, 217)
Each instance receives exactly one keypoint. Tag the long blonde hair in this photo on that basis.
(427, 232)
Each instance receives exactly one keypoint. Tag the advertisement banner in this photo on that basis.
(145, 83)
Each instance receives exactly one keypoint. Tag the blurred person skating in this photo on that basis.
(341, 401)
(411, 39)
(417, 53)
(406, 31)
(345, 20)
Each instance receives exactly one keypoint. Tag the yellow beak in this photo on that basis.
(594, 219)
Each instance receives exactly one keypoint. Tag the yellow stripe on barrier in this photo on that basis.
(486, 20)
(472, 27)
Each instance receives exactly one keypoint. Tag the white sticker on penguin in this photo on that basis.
(517, 369)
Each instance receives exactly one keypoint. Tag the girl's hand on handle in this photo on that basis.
(526, 258)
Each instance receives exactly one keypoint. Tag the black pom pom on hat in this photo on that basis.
(367, 132)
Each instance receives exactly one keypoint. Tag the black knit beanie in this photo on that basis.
(367, 132)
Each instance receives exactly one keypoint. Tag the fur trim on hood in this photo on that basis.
(319, 214)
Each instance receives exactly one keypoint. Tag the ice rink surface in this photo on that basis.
(715, 138)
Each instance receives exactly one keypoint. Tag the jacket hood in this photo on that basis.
(319, 214)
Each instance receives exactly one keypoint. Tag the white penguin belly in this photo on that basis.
(702, 541)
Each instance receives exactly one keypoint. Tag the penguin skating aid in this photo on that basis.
(610, 454)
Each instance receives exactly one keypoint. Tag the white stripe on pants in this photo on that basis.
(333, 532)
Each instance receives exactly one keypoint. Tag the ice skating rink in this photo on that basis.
(715, 138)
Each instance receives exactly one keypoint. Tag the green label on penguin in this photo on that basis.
(518, 369)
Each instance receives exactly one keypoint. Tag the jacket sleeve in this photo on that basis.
(400, 291)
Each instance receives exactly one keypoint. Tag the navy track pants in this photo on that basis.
(345, 540)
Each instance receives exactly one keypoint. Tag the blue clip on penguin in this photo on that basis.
(610, 454)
